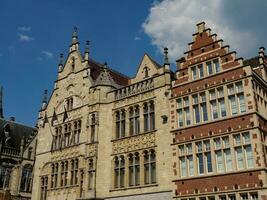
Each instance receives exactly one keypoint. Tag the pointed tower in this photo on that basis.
(1, 103)
(74, 41)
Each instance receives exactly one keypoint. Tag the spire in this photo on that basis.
(60, 64)
(44, 102)
(1, 103)
(74, 41)
(86, 52)
(166, 59)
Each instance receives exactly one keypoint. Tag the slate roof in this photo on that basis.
(253, 62)
(17, 132)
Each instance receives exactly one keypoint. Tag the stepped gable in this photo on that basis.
(205, 46)
(17, 132)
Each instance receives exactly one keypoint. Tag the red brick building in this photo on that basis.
(218, 122)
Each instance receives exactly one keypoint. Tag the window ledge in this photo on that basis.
(134, 187)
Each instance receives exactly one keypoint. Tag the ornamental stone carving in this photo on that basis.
(134, 143)
(91, 150)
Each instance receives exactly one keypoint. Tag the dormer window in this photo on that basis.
(69, 103)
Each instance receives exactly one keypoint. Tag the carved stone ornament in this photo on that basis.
(134, 143)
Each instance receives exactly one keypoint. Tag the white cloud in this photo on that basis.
(48, 54)
(25, 38)
(171, 24)
(24, 28)
(137, 38)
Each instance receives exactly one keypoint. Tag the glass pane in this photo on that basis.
(217, 65)
(239, 156)
(228, 159)
(200, 163)
(201, 71)
(209, 162)
(204, 112)
(249, 156)
(209, 68)
(219, 161)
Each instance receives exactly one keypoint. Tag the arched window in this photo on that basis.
(64, 174)
(93, 127)
(149, 116)
(54, 175)
(150, 166)
(152, 115)
(134, 169)
(5, 172)
(146, 118)
(44, 184)
(69, 103)
(67, 134)
(77, 131)
(146, 69)
(26, 179)
(119, 172)
(74, 172)
(91, 172)
(134, 120)
(120, 123)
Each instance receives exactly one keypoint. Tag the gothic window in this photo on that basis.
(44, 184)
(74, 172)
(134, 169)
(146, 69)
(134, 120)
(54, 175)
(93, 127)
(120, 124)
(69, 103)
(91, 172)
(119, 171)
(149, 116)
(67, 134)
(5, 173)
(64, 174)
(77, 131)
(150, 166)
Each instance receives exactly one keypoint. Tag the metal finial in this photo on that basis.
(45, 96)
(87, 46)
(166, 59)
(61, 59)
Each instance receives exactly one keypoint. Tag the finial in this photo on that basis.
(1, 102)
(60, 64)
(166, 59)
(86, 53)
(261, 51)
(87, 46)
(44, 102)
(74, 42)
(105, 65)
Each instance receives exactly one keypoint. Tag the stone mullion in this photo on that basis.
(112, 174)
(126, 172)
(127, 123)
(142, 169)
(208, 105)
(141, 118)
(227, 105)
(149, 168)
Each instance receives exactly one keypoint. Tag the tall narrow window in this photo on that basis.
(152, 115)
(134, 170)
(44, 185)
(150, 167)
(194, 72)
(91, 174)
(209, 68)
(201, 71)
(93, 127)
(119, 172)
(5, 173)
(131, 120)
(120, 124)
(217, 65)
(26, 179)
(134, 120)
(183, 166)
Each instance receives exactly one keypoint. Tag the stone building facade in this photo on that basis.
(198, 133)
(17, 154)
(218, 122)
(103, 135)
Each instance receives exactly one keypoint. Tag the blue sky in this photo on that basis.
(33, 33)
